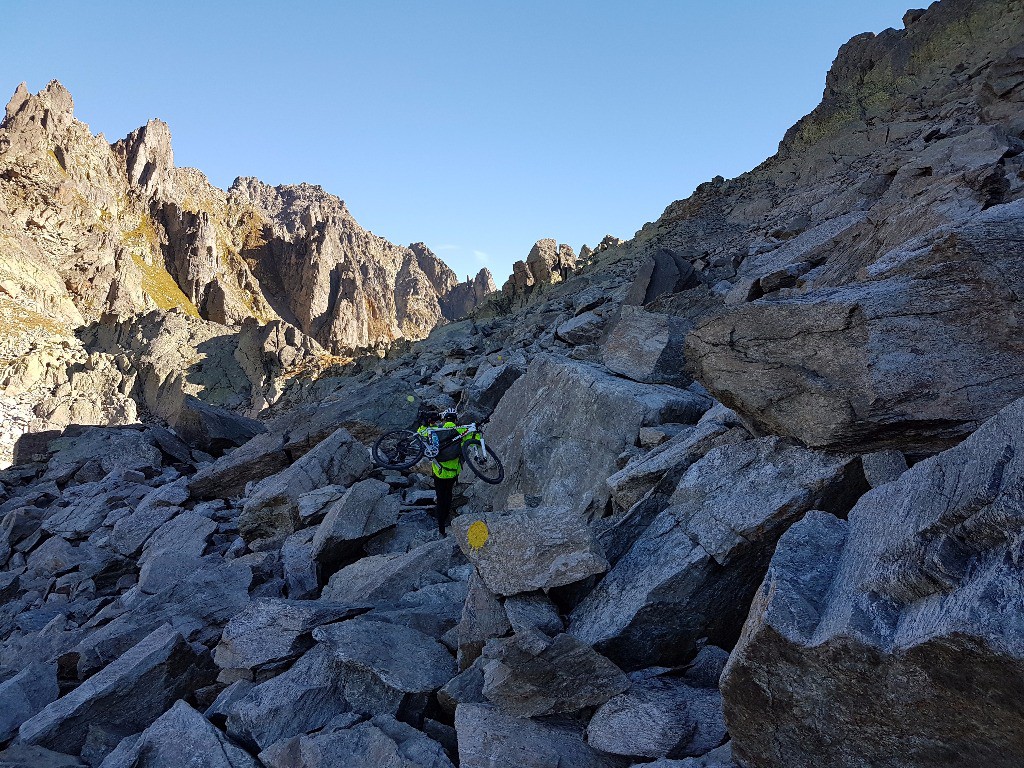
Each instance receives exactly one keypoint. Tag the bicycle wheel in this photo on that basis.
(398, 450)
(485, 465)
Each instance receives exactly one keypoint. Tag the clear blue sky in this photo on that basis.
(475, 126)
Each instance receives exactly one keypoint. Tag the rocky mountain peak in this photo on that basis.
(148, 157)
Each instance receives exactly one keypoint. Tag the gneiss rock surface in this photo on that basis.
(529, 549)
(894, 638)
(365, 509)
(895, 214)
(124, 697)
(402, 658)
(692, 572)
(273, 506)
(489, 738)
(181, 736)
(382, 742)
(271, 631)
(24, 695)
(662, 715)
(531, 675)
(562, 456)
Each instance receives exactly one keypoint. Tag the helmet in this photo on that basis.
(448, 413)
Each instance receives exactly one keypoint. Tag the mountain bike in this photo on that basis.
(402, 448)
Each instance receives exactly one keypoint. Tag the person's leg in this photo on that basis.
(443, 489)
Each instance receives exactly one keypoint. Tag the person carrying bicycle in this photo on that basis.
(447, 465)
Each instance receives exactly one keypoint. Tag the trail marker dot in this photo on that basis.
(477, 535)
(410, 398)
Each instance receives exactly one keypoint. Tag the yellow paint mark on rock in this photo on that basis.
(477, 535)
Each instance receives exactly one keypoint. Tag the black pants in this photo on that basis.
(444, 489)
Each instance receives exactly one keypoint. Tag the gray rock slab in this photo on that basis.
(533, 611)
(273, 506)
(308, 696)
(26, 756)
(648, 720)
(647, 346)
(531, 675)
(299, 568)
(881, 467)
(467, 687)
(212, 429)
(692, 572)
(389, 577)
(489, 738)
(402, 658)
(585, 328)
(530, 549)
(260, 457)
(483, 617)
(132, 532)
(126, 695)
(271, 631)
(830, 367)
(664, 715)
(433, 609)
(638, 477)
(124, 449)
(24, 695)
(487, 389)
(184, 535)
(218, 711)
(382, 742)
(180, 736)
(90, 504)
(313, 505)
(553, 432)
(365, 509)
(207, 597)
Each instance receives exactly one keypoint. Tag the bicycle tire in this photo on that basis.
(398, 449)
(490, 470)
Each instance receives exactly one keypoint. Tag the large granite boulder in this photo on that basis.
(832, 367)
(180, 736)
(663, 715)
(213, 429)
(692, 572)
(489, 738)
(529, 549)
(403, 659)
(273, 506)
(670, 459)
(560, 428)
(124, 697)
(382, 742)
(531, 675)
(197, 603)
(364, 510)
(389, 577)
(647, 346)
(270, 632)
(894, 638)
(304, 698)
(483, 617)
(487, 388)
(24, 695)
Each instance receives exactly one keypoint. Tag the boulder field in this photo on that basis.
(764, 495)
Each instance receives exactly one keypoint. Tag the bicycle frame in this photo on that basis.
(470, 429)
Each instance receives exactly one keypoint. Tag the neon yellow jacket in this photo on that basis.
(446, 469)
